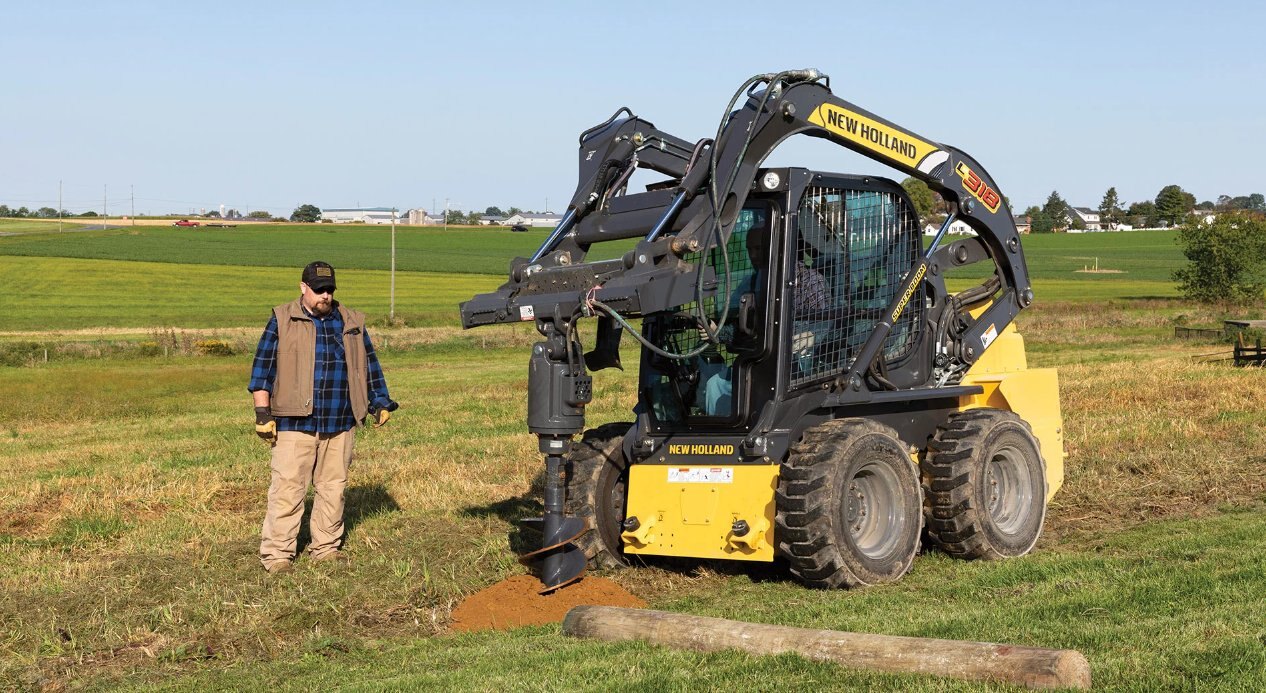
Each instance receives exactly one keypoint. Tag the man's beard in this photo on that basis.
(322, 308)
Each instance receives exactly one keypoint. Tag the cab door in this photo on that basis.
(711, 389)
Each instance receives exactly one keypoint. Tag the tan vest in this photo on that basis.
(296, 361)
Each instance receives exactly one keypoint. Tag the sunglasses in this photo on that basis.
(326, 290)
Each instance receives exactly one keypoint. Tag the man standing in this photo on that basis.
(315, 378)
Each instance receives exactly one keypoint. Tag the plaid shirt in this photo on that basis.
(331, 407)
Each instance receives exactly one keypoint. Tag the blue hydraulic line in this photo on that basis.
(563, 225)
(666, 220)
(936, 240)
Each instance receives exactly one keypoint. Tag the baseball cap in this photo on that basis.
(319, 275)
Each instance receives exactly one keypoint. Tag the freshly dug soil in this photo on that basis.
(514, 602)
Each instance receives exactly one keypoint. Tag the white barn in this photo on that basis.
(533, 219)
(359, 215)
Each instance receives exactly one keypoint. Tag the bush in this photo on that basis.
(213, 347)
(1227, 259)
(22, 353)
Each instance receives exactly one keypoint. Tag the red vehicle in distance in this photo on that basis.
(186, 222)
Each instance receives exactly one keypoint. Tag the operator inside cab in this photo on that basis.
(704, 385)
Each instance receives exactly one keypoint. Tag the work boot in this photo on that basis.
(279, 567)
(335, 556)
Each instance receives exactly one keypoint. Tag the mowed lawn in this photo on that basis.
(135, 490)
(468, 250)
(49, 294)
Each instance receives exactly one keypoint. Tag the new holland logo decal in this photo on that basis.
(885, 140)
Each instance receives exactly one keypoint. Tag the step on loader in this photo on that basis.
(809, 389)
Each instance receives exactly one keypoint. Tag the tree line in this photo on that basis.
(1171, 207)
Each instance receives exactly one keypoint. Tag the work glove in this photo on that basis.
(265, 425)
(380, 415)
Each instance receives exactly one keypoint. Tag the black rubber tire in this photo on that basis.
(596, 480)
(830, 533)
(985, 486)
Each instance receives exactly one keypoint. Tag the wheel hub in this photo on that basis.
(1009, 489)
(872, 511)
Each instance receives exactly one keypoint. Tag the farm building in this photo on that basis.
(420, 217)
(532, 219)
(359, 215)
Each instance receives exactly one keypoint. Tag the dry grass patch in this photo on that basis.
(1158, 438)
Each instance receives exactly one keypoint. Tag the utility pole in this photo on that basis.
(59, 205)
(132, 187)
(104, 188)
(391, 314)
(446, 214)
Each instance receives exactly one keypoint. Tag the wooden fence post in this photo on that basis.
(1034, 667)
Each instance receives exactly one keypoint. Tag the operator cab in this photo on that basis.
(813, 261)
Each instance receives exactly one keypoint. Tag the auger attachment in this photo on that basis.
(558, 390)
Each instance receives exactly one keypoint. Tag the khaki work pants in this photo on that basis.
(299, 458)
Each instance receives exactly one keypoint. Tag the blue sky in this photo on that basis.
(269, 105)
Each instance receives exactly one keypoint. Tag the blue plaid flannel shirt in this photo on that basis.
(331, 408)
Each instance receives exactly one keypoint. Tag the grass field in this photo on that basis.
(135, 491)
(1138, 256)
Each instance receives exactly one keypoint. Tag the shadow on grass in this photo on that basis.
(522, 537)
(360, 503)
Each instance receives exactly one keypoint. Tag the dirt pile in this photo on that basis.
(515, 602)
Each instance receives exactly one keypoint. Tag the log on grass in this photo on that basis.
(1034, 667)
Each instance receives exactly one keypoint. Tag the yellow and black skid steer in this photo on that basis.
(808, 387)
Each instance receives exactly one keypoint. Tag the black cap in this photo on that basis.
(319, 275)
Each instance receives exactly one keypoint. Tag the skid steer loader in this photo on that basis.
(808, 389)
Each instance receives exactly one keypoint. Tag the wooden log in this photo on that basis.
(1034, 667)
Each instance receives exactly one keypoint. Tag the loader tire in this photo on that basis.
(985, 486)
(849, 510)
(596, 479)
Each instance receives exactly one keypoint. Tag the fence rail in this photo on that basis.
(1197, 332)
(1249, 355)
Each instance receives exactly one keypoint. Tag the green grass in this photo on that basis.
(472, 250)
(159, 276)
(1139, 256)
(1169, 606)
(135, 491)
(23, 226)
(66, 294)
(135, 488)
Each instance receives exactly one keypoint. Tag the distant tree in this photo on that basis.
(1254, 203)
(1038, 221)
(89, 213)
(1143, 214)
(21, 212)
(306, 214)
(1056, 210)
(5, 211)
(1173, 203)
(1110, 208)
(259, 214)
(1206, 205)
(232, 214)
(213, 214)
(1077, 223)
(1226, 258)
(494, 212)
(513, 211)
(45, 213)
(922, 196)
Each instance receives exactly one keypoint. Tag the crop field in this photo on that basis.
(135, 487)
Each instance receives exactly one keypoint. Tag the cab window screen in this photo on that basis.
(852, 250)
